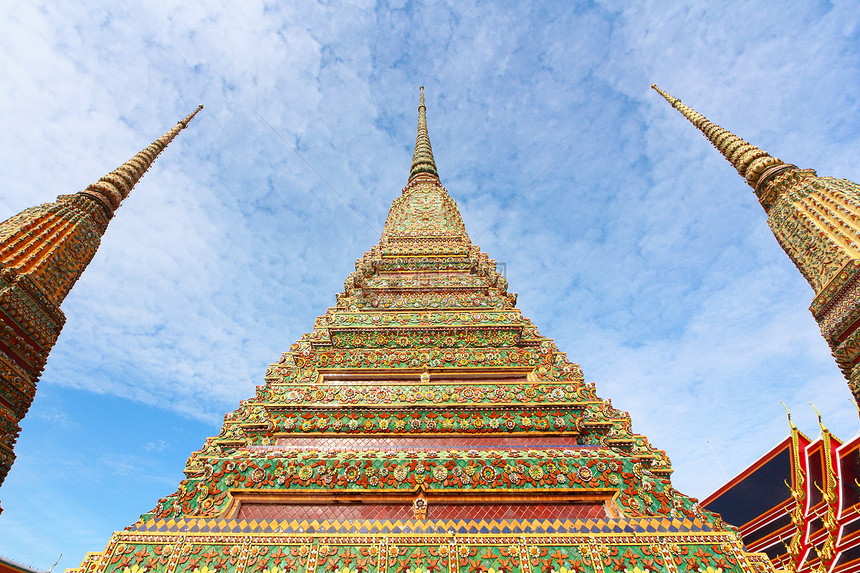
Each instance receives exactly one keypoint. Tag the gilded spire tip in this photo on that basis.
(750, 161)
(666, 96)
(422, 158)
(114, 187)
(191, 115)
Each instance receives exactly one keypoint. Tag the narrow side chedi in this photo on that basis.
(817, 222)
(425, 426)
(43, 252)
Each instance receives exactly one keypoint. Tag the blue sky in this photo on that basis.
(631, 242)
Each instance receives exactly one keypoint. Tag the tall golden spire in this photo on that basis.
(816, 221)
(422, 159)
(44, 250)
(750, 161)
(116, 185)
(37, 242)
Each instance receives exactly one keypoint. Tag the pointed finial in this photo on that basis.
(787, 413)
(750, 161)
(855, 404)
(422, 159)
(820, 423)
(116, 185)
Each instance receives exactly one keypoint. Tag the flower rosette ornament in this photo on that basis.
(258, 475)
(584, 474)
(488, 474)
(400, 473)
(352, 473)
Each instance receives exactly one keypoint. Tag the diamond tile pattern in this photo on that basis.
(516, 511)
(576, 526)
(351, 379)
(328, 512)
(487, 510)
(420, 443)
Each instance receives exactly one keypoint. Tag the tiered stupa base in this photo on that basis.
(425, 425)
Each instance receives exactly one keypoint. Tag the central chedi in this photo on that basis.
(425, 426)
